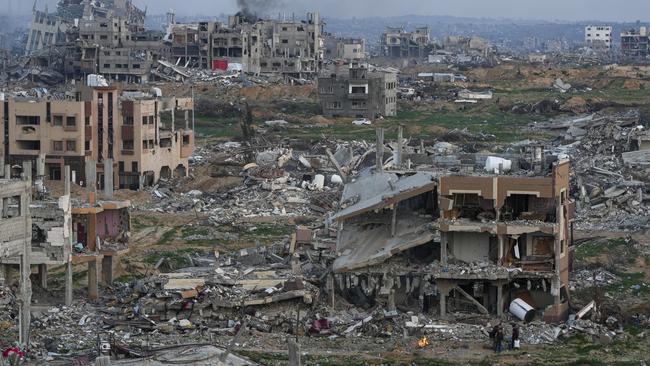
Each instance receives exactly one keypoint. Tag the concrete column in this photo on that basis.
(68, 283)
(91, 175)
(444, 240)
(400, 136)
(7, 171)
(93, 281)
(173, 118)
(66, 180)
(187, 120)
(25, 298)
(501, 248)
(499, 299)
(108, 178)
(40, 165)
(2, 166)
(380, 150)
(68, 268)
(443, 305)
(107, 270)
(443, 290)
(393, 223)
(42, 275)
(294, 353)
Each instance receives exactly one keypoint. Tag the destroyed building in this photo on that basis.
(45, 30)
(92, 37)
(635, 44)
(359, 90)
(15, 240)
(439, 242)
(132, 136)
(341, 48)
(399, 43)
(599, 36)
(264, 46)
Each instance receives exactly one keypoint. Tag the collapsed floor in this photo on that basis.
(287, 288)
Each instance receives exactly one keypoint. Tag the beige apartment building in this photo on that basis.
(135, 132)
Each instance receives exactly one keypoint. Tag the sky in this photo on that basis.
(571, 10)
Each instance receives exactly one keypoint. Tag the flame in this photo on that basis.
(423, 342)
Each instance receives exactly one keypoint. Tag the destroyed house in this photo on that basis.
(436, 243)
(286, 47)
(144, 138)
(520, 224)
(15, 240)
(106, 37)
(345, 48)
(399, 43)
(635, 44)
(360, 91)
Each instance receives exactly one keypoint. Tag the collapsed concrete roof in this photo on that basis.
(379, 190)
(362, 245)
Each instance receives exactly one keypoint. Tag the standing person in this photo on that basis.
(493, 336)
(498, 340)
(514, 342)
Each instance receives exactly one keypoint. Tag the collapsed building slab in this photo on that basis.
(457, 242)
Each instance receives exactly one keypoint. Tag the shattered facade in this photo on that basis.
(15, 241)
(341, 48)
(398, 43)
(359, 90)
(599, 36)
(89, 37)
(441, 242)
(135, 133)
(287, 47)
(635, 44)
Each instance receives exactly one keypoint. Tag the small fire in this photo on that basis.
(423, 342)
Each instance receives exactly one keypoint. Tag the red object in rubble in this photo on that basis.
(11, 351)
(220, 65)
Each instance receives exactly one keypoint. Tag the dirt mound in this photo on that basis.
(632, 85)
(575, 105)
(320, 120)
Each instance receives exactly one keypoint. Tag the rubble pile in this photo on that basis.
(8, 317)
(610, 194)
(280, 182)
(587, 278)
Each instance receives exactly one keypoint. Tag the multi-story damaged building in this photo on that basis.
(359, 90)
(599, 36)
(340, 48)
(136, 137)
(398, 43)
(635, 44)
(263, 46)
(439, 242)
(97, 37)
(15, 239)
(109, 38)
(45, 30)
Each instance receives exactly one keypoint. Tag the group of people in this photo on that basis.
(497, 335)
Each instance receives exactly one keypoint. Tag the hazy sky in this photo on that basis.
(624, 10)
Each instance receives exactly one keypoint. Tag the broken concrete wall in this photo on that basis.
(470, 247)
(109, 224)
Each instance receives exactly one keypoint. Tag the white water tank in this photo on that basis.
(319, 181)
(522, 310)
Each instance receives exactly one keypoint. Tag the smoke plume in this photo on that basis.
(254, 9)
